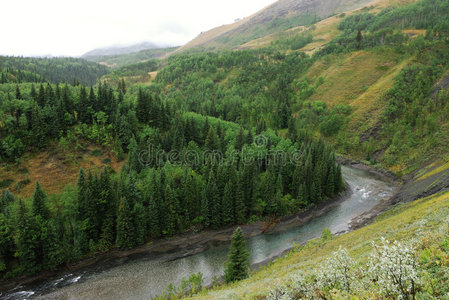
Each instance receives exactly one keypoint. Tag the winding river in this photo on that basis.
(147, 276)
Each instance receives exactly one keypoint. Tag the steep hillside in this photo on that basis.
(282, 15)
(421, 225)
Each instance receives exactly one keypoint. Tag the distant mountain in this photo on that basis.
(117, 61)
(120, 50)
(281, 15)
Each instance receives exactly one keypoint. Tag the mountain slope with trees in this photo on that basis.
(264, 125)
(53, 70)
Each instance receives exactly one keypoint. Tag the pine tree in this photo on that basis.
(239, 140)
(315, 190)
(6, 199)
(139, 217)
(211, 141)
(239, 203)
(206, 129)
(125, 229)
(237, 265)
(205, 212)
(28, 241)
(134, 160)
(171, 216)
(37, 127)
(143, 107)
(39, 205)
(228, 205)
(153, 217)
(83, 110)
(247, 184)
(192, 199)
(41, 96)
(18, 94)
(330, 182)
(338, 181)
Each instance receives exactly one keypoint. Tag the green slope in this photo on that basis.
(423, 221)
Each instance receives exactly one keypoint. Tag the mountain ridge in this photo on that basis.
(120, 50)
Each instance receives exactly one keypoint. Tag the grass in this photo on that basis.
(404, 222)
(54, 169)
(348, 77)
(434, 171)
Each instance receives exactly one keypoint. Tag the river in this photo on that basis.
(147, 276)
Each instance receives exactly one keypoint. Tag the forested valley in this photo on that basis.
(188, 164)
(215, 139)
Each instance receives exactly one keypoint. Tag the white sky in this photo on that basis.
(71, 28)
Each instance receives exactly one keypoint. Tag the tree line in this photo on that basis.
(54, 70)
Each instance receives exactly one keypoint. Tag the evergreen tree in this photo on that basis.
(39, 205)
(191, 198)
(83, 107)
(28, 240)
(18, 94)
(37, 127)
(228, 205)
(6, 199)
(211, 141)
(33, 93)
(239, 205)
(153, 217)
(330, 182)
(93, 100)
(171, 214)
(237, 265)
(338, 181)
(239, 140)
(143, 107)
(140, 219)
(125, 229)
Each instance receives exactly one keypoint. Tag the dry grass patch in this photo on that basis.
(54, 169)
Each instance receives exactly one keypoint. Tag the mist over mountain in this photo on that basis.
(120, 50)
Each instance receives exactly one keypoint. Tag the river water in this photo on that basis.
(146, 277)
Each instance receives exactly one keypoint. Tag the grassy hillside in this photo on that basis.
(57, 162)
(423, 222)
(280, 16)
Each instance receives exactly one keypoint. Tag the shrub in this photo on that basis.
(394, 270)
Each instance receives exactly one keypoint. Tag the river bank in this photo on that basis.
(191, 244)
(182, 245)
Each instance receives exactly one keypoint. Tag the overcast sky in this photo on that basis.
(71, 28)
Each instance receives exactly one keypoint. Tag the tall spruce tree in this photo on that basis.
(39, 205)
(237, 265)
(125, 229)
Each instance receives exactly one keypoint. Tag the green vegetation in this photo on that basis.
(418, 233)
(237, 265)
(134, 73)
(236, 173)
(118, 61)
(53, 70)
(218, 139)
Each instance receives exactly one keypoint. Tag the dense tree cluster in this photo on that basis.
(53, 70)
(166, 197)
(258, 84)
(368, 30)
